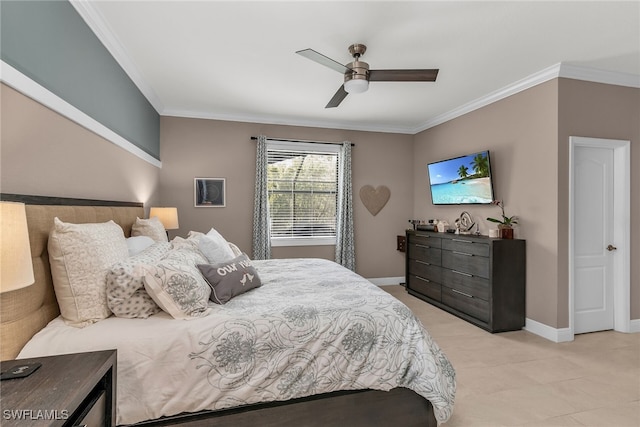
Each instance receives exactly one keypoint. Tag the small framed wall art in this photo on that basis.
(209, 192)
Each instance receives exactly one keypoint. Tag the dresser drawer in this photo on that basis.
(466, 246)
(467, 283)
(466, 263)
(425, 287)
(466, 303)
(425, 253)
(432, 241)
(425, 270)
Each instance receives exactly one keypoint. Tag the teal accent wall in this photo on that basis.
(49, 42)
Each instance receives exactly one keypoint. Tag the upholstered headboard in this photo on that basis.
(26, 311)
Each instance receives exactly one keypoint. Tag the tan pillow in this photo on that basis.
(80, 256)
(151, 227)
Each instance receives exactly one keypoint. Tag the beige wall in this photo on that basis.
(192, 148)
(598, 111)
(528, 136)
(521, 134)
(44, 153)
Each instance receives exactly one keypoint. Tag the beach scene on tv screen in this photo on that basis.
(461, 180)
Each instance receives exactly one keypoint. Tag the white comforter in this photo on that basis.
(313, 327)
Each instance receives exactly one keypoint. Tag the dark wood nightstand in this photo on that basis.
(68, 390)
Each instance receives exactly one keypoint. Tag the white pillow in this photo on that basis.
(80, 256)
(215, 248)
(137, 244)
(151, 227)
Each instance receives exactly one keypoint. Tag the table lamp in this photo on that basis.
(167, 216)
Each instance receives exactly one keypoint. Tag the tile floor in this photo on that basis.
(521, 379)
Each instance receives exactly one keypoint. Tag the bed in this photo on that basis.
(367, 359)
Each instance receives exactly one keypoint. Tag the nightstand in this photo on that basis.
(67, 390)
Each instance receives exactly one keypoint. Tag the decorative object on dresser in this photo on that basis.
(505, 225)
(69, 390)
(374, 199)
(478, 279)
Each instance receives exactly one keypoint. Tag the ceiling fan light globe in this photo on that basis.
(356, 86)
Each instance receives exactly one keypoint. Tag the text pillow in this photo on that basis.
(80, 256)
(230, 279)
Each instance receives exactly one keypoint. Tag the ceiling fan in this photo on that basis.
(357, 74)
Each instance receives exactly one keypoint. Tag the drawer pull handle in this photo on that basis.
(423, 246)
(422, 235)
(422, 262)
(462, 253)
(463, 241)
(462, 293)
(461, 273)
(423, 279)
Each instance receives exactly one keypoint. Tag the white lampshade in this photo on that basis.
(16, 268)
(167, 216)
(356, 85)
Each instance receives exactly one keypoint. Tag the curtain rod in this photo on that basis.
(255, 138)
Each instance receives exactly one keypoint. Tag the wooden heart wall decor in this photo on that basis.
(374, 199)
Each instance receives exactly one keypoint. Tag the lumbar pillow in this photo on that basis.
(215, 248)
(80, 256)
(151, 227)
(137, 244)
(230, 279)
(126, 296)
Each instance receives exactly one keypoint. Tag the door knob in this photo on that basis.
(611, 248)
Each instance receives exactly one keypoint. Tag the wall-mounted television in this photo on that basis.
(461, 180)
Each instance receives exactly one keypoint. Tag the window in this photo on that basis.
(302, 188)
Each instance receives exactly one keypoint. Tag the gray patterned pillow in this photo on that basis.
(230, 279)
(176, 285)
(126, 296)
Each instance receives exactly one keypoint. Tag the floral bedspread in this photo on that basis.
(313, 327)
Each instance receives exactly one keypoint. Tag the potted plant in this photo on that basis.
(505, 225)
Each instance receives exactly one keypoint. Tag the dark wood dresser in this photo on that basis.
(68, 390)
(477, 278)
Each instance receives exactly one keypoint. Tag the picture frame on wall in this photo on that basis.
(209, 192)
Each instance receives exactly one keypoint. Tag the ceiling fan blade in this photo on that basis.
(403, 75)
(323, 60)
(339, 96)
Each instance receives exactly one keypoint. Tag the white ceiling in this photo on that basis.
(235, 60)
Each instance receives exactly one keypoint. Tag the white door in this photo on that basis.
(594, 248)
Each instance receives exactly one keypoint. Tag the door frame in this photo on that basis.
(622, 220)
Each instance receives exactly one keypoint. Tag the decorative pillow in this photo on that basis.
(126, 296)
(215, 248)
(151, 227)
(137, 244)
(80, 256)
(177, 288)
(230, 279)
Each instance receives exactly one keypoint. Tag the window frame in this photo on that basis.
(304, 147)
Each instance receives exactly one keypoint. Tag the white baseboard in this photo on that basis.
(546, 331)
(387, 281)
(564, 334)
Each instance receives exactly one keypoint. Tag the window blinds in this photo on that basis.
(302, 188)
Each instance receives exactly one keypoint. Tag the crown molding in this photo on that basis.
(23, 84)
(555, 71)
(96, 22)
(286, 121)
